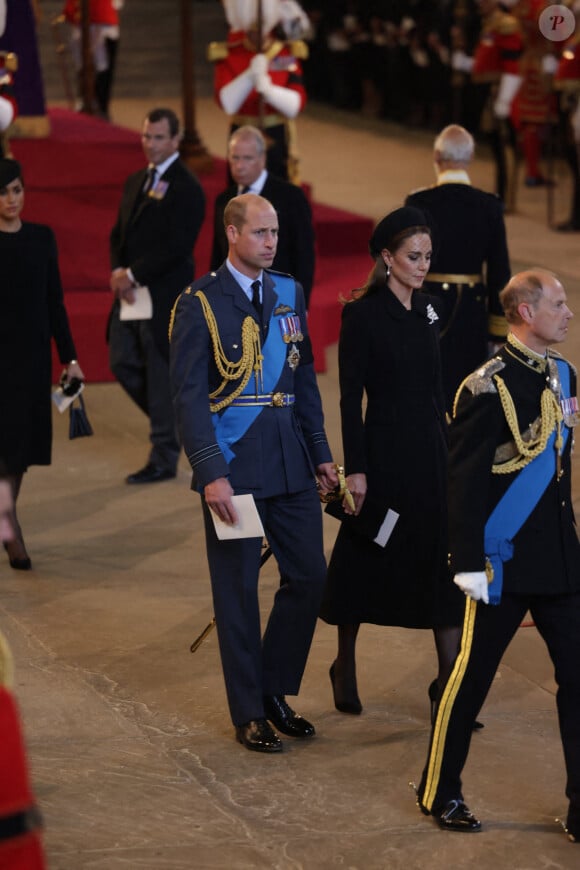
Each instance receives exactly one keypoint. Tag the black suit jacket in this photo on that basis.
(155, 239)
(295, 254)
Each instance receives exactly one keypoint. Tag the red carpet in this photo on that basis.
(73, 184)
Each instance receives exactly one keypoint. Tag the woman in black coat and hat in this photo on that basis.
(31, 313)
(395, 459)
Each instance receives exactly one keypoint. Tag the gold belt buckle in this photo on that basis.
(278, 400)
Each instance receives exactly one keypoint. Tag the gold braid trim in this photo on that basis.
(551, 417)
(250, 360)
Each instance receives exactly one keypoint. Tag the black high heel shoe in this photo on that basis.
(19, 564)
(433, 692)
(352, 706)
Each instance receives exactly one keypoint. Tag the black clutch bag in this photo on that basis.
(79, 426)
(367, 523)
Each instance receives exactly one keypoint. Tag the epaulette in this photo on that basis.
(299, 49)
(277, 272)
(481, 380)
(554, 354)
(217, 51)
(507, 24)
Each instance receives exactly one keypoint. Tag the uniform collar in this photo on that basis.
(525, 355)
(453, 176)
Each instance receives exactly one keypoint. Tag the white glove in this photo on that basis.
(262, 83)
(474, 584)
(508, 87)
(461, 61)
(235, 92)
(549, 64)
(284, 100)
(259, 66)
(6, 113)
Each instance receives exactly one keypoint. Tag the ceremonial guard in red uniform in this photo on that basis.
(104, 33)
(496, 60)
(533, 109)
(258, 79)
(567, 84)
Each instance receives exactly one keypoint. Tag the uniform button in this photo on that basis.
(563, 504)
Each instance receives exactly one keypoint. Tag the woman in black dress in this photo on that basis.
(395, 458)
(31, 313)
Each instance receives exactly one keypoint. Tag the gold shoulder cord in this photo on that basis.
(250, 360)
(551, 418)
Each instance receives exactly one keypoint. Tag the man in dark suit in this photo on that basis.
(151, 245)
(470, 262)
(512, 533)
(250, 420)
(247, 162)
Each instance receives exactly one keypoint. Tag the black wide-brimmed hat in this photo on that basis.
(394, 223)
(9, 171)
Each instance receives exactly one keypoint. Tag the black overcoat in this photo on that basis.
(391, 354)
(33, 312)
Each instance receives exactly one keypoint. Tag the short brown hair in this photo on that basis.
(235, 212)
(524, 287)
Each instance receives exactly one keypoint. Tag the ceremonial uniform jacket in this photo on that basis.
(469, 238)
(295, 251)
(100, 12)
(234, 57)
(278, 453)
(546, 557)
(154, 236)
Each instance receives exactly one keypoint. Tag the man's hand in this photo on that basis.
(474, 584)
(357, 486)
(218, 496)
(122, 285)
(327, 476)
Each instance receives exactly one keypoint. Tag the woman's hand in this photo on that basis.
(73, 370)
(357, 486)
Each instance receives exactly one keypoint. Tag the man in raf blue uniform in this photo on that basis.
(250, 420)
(513, 539)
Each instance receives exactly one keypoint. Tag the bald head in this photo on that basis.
(453, 148)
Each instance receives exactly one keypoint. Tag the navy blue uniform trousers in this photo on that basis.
(253, 665)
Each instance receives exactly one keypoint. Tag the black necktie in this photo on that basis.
(245, 189)
(149, 179)
(256, 298)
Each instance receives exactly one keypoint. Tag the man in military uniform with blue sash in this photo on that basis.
(250, 419)
(513, 539)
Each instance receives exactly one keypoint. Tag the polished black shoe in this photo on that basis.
(455, 816)
(283, 717)
(344, 705)
(258, 736)
(150, 474)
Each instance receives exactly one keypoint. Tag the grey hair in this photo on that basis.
(454, 144)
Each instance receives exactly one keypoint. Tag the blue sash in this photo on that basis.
(232, 424)
(519, 500)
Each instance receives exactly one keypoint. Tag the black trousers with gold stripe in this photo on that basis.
(487, 631)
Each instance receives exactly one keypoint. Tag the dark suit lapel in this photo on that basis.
(231, 288)
(269, 297)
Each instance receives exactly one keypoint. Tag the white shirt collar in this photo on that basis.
(161, 168)
(257, 185)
